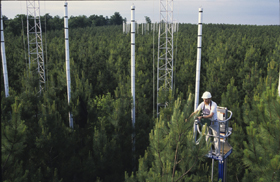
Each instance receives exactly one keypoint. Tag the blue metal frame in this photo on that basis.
(221, 170)
(219, 158)
(221, 163)
(226, 147)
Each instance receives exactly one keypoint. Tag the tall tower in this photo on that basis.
(133, 73)
(35, 41)
(3, 54)
(165, 52)
(279, 85)
(198, 62)
(67, 61)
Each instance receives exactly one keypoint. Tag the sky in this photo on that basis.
(250, 12)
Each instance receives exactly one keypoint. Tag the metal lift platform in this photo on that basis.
(225, 149)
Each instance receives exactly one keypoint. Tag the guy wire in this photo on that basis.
(46, 67)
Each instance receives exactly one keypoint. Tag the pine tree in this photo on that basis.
(13, 138)
(261, 153)
(172, 154)
(230, 99)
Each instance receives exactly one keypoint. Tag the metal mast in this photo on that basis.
(133, 73)
(67, 60)
(279, 85)
(3, 54)
(35, 42)
(198, 62)
(165, 52)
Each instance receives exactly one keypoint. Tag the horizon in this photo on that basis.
(250, 12)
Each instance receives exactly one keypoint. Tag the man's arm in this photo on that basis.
(192, 115)
(197, 110)
(207, 117)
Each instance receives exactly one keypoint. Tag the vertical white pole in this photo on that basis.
(3, 53)
(279, 84)
(67, 57)
(123, 27)
(198, 63)
(133, 71)
(212, 172)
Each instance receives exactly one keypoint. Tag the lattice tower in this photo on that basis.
(35, 42)
(165, 53)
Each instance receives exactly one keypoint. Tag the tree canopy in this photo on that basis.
(240, 67)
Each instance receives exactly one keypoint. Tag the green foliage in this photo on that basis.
(261, 154)
(148, 19)
(13, 137)
(172, 154)
(116, 19)
(17, 25)
(238, 62)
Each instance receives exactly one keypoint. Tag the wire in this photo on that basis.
(24, 47)
(207, 1)
(22, 34)
(176, 52)
(46, 69)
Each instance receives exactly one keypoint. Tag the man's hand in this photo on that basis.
(199, 117)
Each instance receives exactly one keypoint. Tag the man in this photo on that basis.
(209, 111)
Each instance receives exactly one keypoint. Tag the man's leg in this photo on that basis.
(215, 131)
(208, 132)
(203, 121)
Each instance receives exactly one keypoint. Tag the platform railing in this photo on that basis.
(221, 138)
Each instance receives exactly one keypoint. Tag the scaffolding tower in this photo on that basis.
(165, 53)
(3, 55)
(35, 42)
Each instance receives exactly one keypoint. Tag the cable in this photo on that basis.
(46, 46)
(22, 33)
(23, 42)
(176, 52)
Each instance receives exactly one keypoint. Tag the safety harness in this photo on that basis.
(204, 106)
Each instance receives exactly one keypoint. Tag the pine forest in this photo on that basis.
(239, 66)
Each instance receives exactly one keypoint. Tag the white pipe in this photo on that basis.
(67, 57)
(3, 53)
(279, 84)
(127, 28)
(133, 71)
(198, 62)
(123, 27)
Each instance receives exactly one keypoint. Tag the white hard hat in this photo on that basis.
(206, 95)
